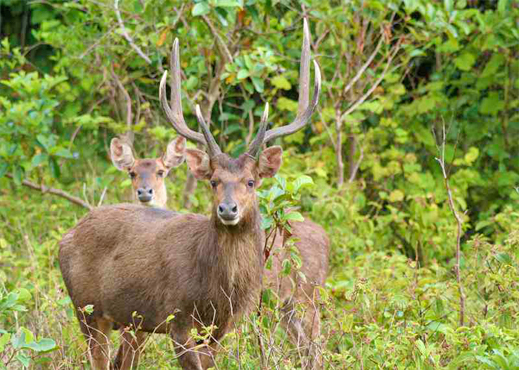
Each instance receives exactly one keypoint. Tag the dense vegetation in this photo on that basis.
(408, 86)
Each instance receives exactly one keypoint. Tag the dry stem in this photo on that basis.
(459, 222)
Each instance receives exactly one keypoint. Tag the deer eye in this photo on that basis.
(160, 173)
(213, 184)
(133, 175)
(250, 183)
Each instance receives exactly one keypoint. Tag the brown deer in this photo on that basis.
(148, 174)
(159, 271)
(312, 243)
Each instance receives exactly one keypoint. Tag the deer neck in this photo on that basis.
(235, 269)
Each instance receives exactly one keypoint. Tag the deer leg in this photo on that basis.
(312, 328)
(207, 356)
(303, 332)
(129, 350)
(188, 356)
(97, 332)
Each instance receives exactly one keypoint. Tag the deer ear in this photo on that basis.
(270, 161)
(121, 154)
(199, 164)
(175, 153)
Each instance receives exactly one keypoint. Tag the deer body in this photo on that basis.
(127, 259)
(312, 243)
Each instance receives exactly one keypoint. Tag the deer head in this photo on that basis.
(148, 175)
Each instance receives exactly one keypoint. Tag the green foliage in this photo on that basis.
(20, 344)
(67, 67)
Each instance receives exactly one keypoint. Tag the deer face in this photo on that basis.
(148, 175)
(234, 181)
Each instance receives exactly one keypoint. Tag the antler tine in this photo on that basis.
(305, 110)
(212, 146)
(255, 146)
(304, 71)
(174, 113)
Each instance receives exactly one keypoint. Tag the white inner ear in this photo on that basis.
(121, 154)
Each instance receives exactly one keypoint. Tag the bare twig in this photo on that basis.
(127, 35)
(355, 167)
(224, 51)
(126, 96)
(58, 192)
(459, 222)
(374, 86)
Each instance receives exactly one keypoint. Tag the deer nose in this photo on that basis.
(228, 211)
(144, 194)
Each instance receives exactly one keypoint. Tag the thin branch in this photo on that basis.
(58, 192)
(363, 68)
(459, 222)
(127, 35)
(127, 97)
(373, 87)
(224, 51)
(357, 164)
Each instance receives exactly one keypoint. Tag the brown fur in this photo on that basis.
(127, 259)
(314, 247)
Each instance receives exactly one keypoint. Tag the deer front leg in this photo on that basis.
(129, 350)
(186, 351)
(97, 333)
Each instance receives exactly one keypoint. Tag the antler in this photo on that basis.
(174, 113)
(255, 146)
(212, 145)
(304, 111)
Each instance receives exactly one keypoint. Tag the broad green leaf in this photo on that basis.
(396, 196)
(4, 339)
(472, 155)
(465, 61)
(242, 74)
(294, 216)
(201, 8)
(302, 181)
(43, 345)
(281, 82)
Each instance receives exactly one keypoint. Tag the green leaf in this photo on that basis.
(258, 83)
(43, 345)
(4, 339)
(4, 167)
(287, 104)
(302, 181)
(39, 159)
(229, 3)
(64, 153)
(448, 5)
(18, 340)
(23, 295)
(472, 155)
(294, 216)
(23, 359)
(396, 196)
(201, 9)
(242, 74)
(492, 104)
(465, 61)
(281, 83)
(54, 167)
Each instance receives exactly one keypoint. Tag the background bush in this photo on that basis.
(73, 75)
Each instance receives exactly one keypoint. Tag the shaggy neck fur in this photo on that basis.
(233, 270)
